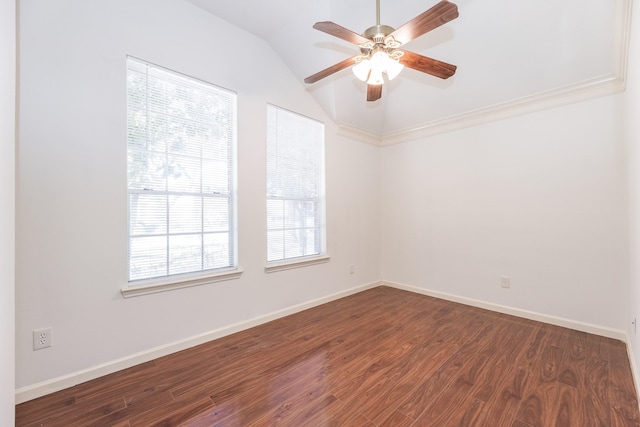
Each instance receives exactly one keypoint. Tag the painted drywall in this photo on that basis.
(7, 212)
(72, 205)
(539, 198)
(632, 139)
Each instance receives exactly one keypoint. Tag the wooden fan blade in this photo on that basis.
(438, 15)
(427, 65)
(340, 32)
(374, 92)
(330, 70)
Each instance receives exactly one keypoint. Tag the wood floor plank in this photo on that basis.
(224, 374)
(421, 398)
(84, 414)
(540, 360)
(300, 404)
(566, 410)
(537, 404)
(470, 413)
(303, 415)
(172, 414)
(334, 412)
(113, 385)
(595, 409)
(383, 357)
(404, 377)
(397, 419)
(622, 395)
(46, 407)
(451, 399)
(573, 365)
(502, 359)
(267, 399)
(503, 405)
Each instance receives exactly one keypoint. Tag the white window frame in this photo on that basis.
(203, 274)
(278, 190)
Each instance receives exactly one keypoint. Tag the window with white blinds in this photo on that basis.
(181, 136)
(295, 186)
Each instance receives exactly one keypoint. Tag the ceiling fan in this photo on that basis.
(380, 51)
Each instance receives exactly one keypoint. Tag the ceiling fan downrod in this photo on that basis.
(378, 32)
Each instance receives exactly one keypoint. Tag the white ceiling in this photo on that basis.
(508, 53)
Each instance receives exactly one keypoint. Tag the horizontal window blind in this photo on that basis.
(181, 135)
(295, 186)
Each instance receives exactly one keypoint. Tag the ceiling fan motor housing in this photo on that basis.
(378, 33)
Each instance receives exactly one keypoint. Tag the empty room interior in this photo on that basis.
(211, 216)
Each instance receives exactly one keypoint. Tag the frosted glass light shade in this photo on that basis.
(393, 68)
(372, 70)
(361, 69)
(376, 77)
(379, 62)
(378, 66)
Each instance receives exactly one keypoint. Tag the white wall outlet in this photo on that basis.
(352, 269)
(42, 338)
(505, 282)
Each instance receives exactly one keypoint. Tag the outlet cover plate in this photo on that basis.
(42, 338)
(505, 282)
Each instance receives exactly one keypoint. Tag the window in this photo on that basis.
(181, 135)
(295, 186)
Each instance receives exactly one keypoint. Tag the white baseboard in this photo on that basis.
(56, 384)
(34, 391)
(634, 367)
(531, 315)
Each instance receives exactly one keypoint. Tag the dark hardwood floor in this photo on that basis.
(383, 357)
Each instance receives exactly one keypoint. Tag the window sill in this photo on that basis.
(178, 283)
(296, 263)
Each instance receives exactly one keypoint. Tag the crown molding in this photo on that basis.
(608, 84)
(601, 86)
(359, 134)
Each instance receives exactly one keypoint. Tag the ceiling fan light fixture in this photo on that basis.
(380, 51)
(379, 64)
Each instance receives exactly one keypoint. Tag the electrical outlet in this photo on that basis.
(505, 282)
(42, 338)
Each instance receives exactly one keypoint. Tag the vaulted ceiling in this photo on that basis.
(512, 57)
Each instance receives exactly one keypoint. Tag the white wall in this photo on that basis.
(7, 212)
(632, 138)
(538, 198)
(71, 229)
(541, 198)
